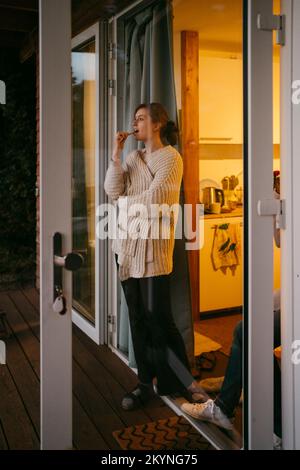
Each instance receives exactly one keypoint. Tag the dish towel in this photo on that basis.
(226, 250)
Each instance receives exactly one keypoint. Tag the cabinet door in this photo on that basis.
(220, 101)
(220, 288)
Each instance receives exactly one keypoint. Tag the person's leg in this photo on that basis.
(179, 368)
(224, 406)
(277, 329)
(139, 330)
(143, 391)
(229, 396)
(221, 411)
(277, 377)
(192, 390)
(166, 337)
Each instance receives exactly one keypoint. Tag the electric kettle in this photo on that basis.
(212, 195)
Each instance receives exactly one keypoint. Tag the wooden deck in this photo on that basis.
(100, 379)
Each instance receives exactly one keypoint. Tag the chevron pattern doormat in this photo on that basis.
(170, 433)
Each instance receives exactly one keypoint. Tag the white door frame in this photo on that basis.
(260, 317)
(55, 216)
(290, 251)
(113, 297)
(93, 331)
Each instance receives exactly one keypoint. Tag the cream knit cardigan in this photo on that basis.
(148, 179)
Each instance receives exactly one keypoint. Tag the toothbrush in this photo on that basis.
(128, 134)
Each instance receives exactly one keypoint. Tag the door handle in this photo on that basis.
(71, 262)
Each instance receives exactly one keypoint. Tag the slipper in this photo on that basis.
(137, 397)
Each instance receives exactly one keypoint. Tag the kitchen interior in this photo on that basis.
(208, 64)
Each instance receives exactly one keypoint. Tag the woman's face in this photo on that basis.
(144, 125)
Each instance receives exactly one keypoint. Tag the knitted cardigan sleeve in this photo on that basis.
(164, 188)
(115, 179)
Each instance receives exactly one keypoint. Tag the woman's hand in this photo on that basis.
(120, 140)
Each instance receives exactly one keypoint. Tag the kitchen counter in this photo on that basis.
(238, 212)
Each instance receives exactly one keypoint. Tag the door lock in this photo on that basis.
(274, 207)
(71, 262)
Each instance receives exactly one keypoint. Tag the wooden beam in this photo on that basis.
(23, 5)
(87, 12)
(190, 144)
(16, 20)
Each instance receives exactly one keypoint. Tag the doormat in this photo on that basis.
(171, 433)
(203, 344)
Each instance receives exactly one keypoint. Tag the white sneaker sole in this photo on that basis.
(195, 415)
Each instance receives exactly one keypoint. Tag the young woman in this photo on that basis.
(148, 178)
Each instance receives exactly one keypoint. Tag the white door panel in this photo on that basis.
(55, 216)
(290, 260)
(259, 389)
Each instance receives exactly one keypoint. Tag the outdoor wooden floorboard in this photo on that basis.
(100, 379)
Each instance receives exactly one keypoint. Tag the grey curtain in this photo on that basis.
(149, 76)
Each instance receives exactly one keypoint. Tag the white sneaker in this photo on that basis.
(277, 442)
(210, 412)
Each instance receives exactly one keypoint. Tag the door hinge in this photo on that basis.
(274, 207)
(273, 23)
(111, 50)
(112, 86)
(112, 321)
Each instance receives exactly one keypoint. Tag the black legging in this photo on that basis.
(154, 334)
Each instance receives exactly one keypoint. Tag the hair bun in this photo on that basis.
(171, 132)
(171, 127)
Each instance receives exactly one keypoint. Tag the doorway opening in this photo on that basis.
(207, 61)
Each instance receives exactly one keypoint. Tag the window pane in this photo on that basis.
(83, 188)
